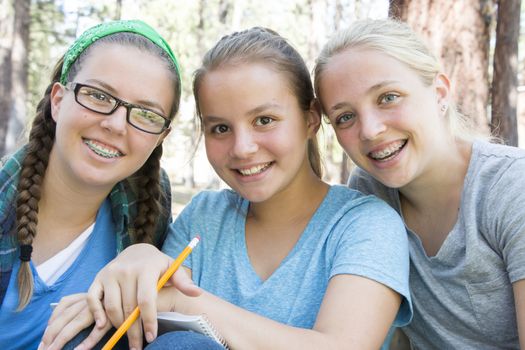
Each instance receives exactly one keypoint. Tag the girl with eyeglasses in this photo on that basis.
(88, 183)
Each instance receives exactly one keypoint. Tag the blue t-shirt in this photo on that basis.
(24, 329)
(350, 233)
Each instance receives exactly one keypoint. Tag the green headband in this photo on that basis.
(104, 29)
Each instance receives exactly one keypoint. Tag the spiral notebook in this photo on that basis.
(175, 321)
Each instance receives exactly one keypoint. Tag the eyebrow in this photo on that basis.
(264, 107)
(140, 103)
(211, 119)
(254, 111)
(375, 87)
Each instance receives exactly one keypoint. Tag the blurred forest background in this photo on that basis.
(477, 41)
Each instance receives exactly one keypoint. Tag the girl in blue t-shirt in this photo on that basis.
(286, 261)
(88, 182)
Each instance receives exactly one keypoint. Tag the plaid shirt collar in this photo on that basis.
(123, 207)
(122, 200)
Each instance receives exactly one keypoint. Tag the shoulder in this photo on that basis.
(11, 166)
(214, 202)
(356, 215)
(357, 202)
(497, 167)
(364, 182)
(369, 239)
(494, 196)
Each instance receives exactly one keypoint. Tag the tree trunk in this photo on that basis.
(118, 9)
(397, 9)
(19, 69)
(317, 32)
(6, 44)
(458, 32)
(505, 81)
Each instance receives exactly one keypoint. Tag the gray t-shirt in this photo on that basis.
(463, 296)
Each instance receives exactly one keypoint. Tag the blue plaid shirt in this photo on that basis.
(123, 205)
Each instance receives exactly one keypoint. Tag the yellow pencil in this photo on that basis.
(165, 277)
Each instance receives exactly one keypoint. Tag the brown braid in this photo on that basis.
(34, 166)
(148, 199)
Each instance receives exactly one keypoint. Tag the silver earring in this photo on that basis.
(443, 108)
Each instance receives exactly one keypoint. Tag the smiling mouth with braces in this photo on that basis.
(388, 152)
(102, 151)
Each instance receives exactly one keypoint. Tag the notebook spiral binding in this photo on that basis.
(211, 331)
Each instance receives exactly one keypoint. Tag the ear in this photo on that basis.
(313, 121)
(443, 89)
(57, 94)
(163, 136)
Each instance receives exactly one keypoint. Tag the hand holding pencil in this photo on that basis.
(162, 281)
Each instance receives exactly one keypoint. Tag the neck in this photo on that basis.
(64, 212)
(442, 181)
(297, 202)
(66, 204)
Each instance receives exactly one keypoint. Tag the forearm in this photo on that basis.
(246, 330)
(356, 313)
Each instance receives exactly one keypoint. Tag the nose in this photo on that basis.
(372, 125)
(116, 122)
(244, 144)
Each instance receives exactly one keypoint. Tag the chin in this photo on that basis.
(392, 181)
(253, 197)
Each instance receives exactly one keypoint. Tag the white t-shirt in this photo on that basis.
(51, 269)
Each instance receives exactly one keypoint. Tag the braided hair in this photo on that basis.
(146, 180)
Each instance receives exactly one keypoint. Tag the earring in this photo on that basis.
(443, 108)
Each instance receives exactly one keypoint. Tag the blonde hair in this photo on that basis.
(397, 40)
(264, 45)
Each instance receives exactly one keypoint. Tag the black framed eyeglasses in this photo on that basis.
(101, 102)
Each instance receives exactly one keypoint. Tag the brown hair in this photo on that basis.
(263, 45)
(41, 139)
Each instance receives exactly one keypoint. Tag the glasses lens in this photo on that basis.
(147, 120)
(95, 99)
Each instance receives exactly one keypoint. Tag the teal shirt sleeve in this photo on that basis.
(375, 246)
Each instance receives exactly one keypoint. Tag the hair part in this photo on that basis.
(397, 40)
(263, 45)
(41, 139)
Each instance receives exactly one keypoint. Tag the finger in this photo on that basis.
(60, 333)
(94, 300)
(147, 299)
(184, 283)
(59, 321)
(64, 303)
(113, 303)
(135, 335)
(97, 333)
(128, 288)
